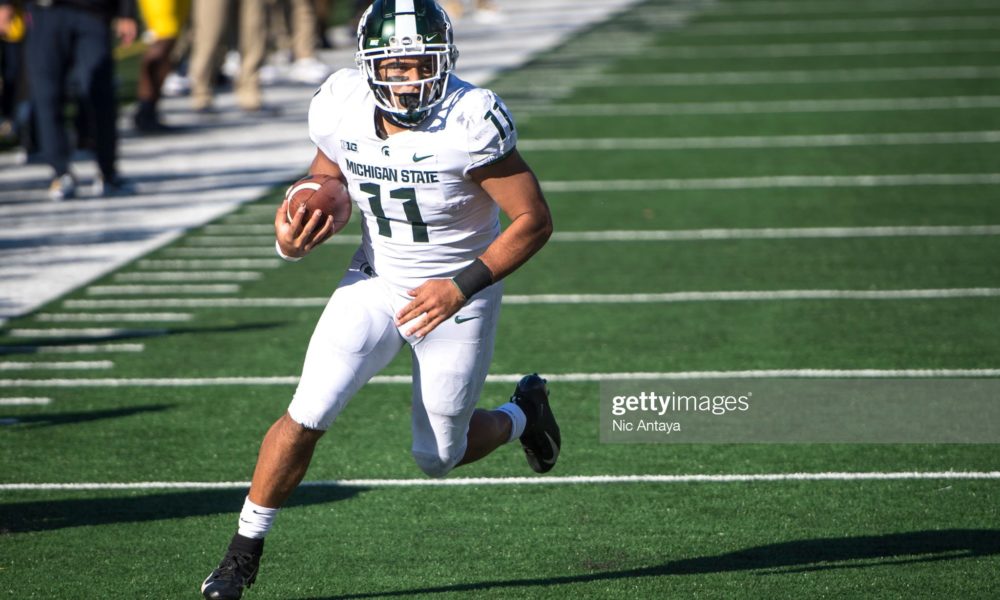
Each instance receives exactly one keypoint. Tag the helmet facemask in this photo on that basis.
(407, 30)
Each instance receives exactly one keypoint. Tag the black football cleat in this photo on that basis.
(540, 440)
(238, 570)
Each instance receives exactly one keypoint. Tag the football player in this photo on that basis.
(430, 161)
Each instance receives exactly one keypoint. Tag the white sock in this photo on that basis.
(517, 419)
(255, 521)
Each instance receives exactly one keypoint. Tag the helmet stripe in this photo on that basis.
(406, 19)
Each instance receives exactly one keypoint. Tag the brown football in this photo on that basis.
(320, 192)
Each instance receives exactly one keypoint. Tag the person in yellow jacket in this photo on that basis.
(164, 20)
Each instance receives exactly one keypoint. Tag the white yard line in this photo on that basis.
(263, 251)
(563, 78)
(234, 241)
(112, 317)
(184, 276)
(666, 297)
(774, 233)
(858, 25)
(85, 332)
(768, 295)
(546, 480)
(695, 234)
(291, 380)
(232, 228)
(772, 181)
(56, 366)
(759, 141)
(138, 289)
(25, 401)
(649, 109)
(73, 349)
(799, 50)
(778, 7)
(232, 263)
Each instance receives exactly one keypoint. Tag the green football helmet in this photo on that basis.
(402, 29)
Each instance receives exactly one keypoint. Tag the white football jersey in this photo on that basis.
(423, 216)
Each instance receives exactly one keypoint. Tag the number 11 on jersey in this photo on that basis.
(410, 209)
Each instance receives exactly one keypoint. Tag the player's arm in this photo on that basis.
(513, 186)
(298, 237)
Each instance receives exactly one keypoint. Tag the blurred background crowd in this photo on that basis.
(58, 87)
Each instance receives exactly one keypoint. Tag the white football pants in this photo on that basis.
(356, 337)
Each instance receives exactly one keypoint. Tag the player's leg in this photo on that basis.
(488, 430)
(164, 18)
(354, 339)
(253, 47)
(208, 26)
(282, 462)
(47, 52)
(93, 78)
(450, 367)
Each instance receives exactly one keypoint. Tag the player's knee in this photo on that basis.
(434, 465)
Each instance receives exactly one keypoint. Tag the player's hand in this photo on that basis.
(436, 300)
(298, 237)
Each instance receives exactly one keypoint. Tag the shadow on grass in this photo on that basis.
(34, 346)
(31, 422)
(772, 559)
(20, 517)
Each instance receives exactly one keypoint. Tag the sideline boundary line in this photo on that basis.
(483, 481)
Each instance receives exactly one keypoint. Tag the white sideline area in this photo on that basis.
(219, 162)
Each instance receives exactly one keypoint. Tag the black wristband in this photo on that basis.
(473, 278)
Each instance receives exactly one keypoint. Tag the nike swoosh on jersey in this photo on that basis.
(461, 320)
(420, 158)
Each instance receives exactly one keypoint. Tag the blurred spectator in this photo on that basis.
(164, 20)
(322, 8)
(14, 108)
(483, 11)
(68, 45)
(177, 82)
(293, 25)
(209, 22)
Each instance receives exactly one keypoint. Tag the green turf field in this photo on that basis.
(779, 166)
